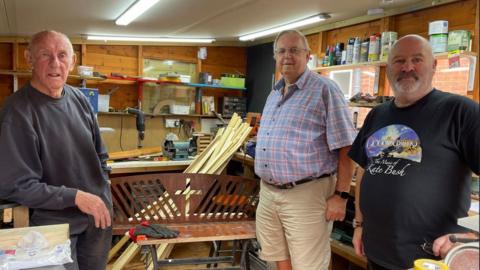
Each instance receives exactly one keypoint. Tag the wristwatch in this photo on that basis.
(342, 194)
(357, 224)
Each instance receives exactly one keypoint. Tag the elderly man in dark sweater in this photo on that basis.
(52, 157)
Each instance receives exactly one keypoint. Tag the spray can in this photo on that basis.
(338, 53)
(325, 58)
(374, 48)
(351, 42)
(438, 32)
(364, 50)
(356, 51)
(343, 61)
(331, 56)
(388, 38)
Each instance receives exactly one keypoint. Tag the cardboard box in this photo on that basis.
(179, 109)
(232, 82)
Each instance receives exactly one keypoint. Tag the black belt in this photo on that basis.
(299, 182)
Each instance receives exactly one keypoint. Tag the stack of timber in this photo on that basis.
(212, 160)
(219, 152)
(203, 140)
(134, 153)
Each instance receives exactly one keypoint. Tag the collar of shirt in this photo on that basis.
(298, 85)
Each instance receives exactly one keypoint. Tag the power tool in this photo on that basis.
(140, 121)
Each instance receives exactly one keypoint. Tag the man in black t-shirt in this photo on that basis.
(416, 154)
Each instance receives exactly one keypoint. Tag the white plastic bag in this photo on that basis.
(33, 251)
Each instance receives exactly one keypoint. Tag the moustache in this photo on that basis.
(407, 75)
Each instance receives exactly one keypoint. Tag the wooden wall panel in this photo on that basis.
(117, 50)
(362, 30)
(112, 58)
(125, 135)
(460, 15)
(21, 61)
(6, 88)
(225, 60)
(125, 96)
(6, 61)
(180, 53)
(313, 43)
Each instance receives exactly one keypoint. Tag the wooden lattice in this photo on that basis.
(182, 198)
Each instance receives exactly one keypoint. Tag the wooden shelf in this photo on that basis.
(444, 55)
(363, 105)
(128, 80)
(159, 115)
(20, 73)
(384, 63)
(350, 66)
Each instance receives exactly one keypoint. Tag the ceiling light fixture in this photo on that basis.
(152, 39)
(296, 24)
(134, 11)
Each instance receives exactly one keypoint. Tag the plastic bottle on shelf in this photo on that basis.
(331, 56)
(351, 42)
(343, 61)
(325, 58)
(374, 48)
(338, 53)
(364, 50)
(356, 51)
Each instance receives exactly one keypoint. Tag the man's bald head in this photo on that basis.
(410, 69)
(40, 36)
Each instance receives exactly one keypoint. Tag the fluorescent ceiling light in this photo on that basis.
(307, 21)
(134, 11)
(152, 39)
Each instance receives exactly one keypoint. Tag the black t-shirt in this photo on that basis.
(418, 162)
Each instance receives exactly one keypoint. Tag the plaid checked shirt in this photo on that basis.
(300, 132)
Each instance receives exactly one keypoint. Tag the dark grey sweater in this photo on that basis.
(50, 148)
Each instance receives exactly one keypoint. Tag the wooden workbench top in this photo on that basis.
(148, 166)
(55, 234)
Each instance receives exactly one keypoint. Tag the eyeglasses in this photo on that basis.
(292, 51)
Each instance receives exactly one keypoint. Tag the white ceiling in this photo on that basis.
(224, 20)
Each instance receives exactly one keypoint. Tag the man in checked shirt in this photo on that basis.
(301, 156)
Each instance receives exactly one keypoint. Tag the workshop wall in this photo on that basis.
(128, 60)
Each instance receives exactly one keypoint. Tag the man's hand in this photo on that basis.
(442, 245)
(357, 242)
(92, 205)
(335, 208)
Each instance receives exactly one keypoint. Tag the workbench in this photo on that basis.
(148, 166)
(19, 212)
(54, 234)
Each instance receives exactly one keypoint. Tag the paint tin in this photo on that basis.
(374, 48)
(388, 38)
(350, 45)
(459, 40)
(364, 50)
(356, 51)
(438, 27)
(439, 42)
(438, 32)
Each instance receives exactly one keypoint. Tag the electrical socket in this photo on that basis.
(171, 123)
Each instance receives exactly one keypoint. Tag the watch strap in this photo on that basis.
(342, 194)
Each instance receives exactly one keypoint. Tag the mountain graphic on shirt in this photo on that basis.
(395, 141)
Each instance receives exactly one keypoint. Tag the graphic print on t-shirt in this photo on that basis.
(392, 149)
